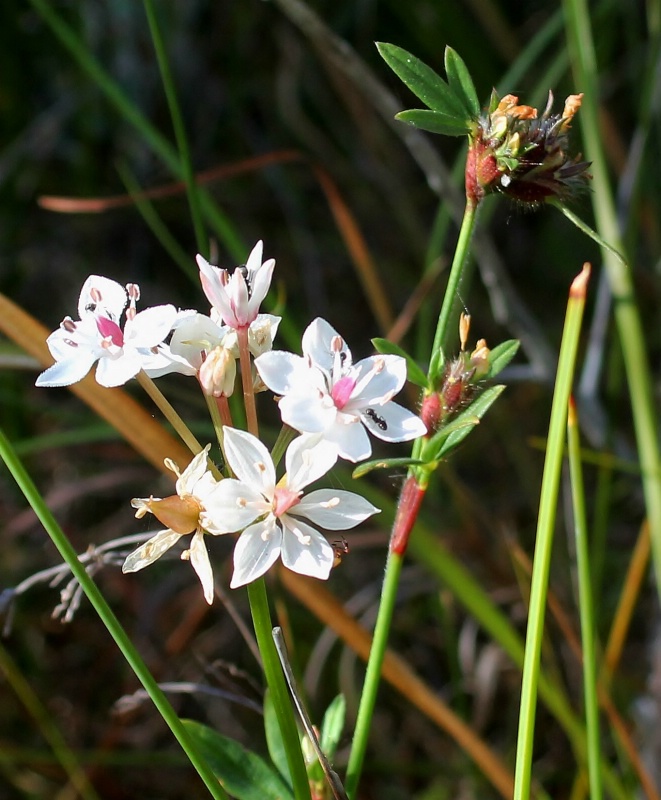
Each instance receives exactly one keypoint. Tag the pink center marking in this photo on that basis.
(341, 391)
(109, 329)
(283, 500)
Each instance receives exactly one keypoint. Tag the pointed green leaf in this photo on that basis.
(434, 122)
(422, 81)
(461, 83)
(384, 463)
(501, 355)
(472, 415)
(413, 372)
(241, 772)
(332, 726)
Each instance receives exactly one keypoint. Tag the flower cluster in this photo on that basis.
(523, 155)
(331, 402)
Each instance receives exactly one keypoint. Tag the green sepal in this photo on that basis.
(436, 367)
(422, 81)
(413, 372)
(461, 83)
(501, 355)
(434, 122)
(449, 436)
(385, 463)
(241, 772)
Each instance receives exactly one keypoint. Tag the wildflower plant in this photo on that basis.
(276, 499)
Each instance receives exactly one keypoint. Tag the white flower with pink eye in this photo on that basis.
(237, 296)
(183, 513)
(324, 392)
(121, 352)
(274, 515)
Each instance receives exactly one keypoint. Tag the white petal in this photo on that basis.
(317, 340)
(193, 472)
(261, 282)
(112, 372)
(149, 327)
(195, 335)
(305, 550)
(250, 460)
(102, 295)
(148, 552)
(199, 558)
(283, 372)
(334, 510)
(308, 413)
(164, 362)
(308, 458)
(351, 440)
(257, 549)
(231, 506)
(393, 423)
(261, 333)
(71, 370)
(383, 383)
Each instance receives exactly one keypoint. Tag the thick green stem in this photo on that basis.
(275, 679)
(108, 618)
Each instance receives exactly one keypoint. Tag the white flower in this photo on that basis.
(184, 513)
(237, 296)
(324, 392)
(97, 336)
(274, 513)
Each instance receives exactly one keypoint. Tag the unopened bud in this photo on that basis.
(218, 373)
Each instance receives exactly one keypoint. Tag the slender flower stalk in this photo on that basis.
(168, 411)
(247, 381)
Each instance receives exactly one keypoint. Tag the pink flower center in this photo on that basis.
(341, 391)
(110, 330)
(283, 500)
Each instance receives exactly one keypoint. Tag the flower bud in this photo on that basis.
(217, 373)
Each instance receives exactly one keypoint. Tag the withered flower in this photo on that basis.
(523, 155)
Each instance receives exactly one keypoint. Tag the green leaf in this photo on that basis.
(422, 81)
(434, 122)
(242, 773)
(461, 83)
(274, 740)
(384, 463)
(472, 416)
(413, 372)
(501, 355)
(332, 726)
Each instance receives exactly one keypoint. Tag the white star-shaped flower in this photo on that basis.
(237, 296)
(324, 392)
(183, 513)
(97, 336)
(272, 515)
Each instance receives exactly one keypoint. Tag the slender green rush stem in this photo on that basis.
(627, 317)
(544, 536)
(179, 128)
(586, 605)
(107, 617)
(275, 679)
(408, 505)
(168, 412)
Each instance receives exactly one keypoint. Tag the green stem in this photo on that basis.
(627, 317)
(179, 129)
(544, 536)
(586, 608)
(407, 511)
(168, 412)
(261, 617)
(107, 617)
(373, 674)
